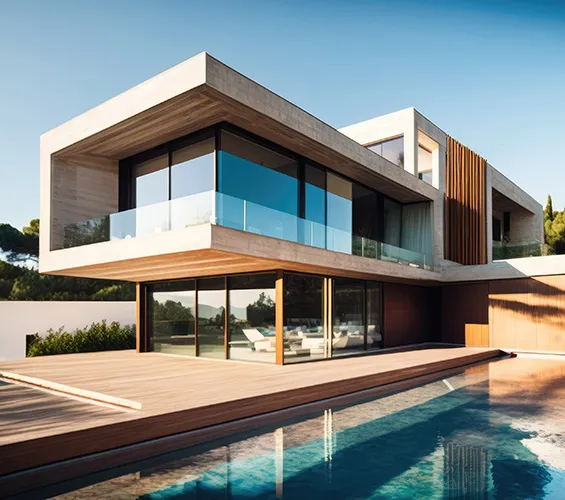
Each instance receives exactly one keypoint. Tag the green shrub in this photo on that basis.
(98, 337)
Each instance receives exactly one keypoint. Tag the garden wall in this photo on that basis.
(19, 318)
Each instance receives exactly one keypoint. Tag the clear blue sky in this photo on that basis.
(492, 76)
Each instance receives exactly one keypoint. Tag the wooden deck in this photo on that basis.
(175, 395)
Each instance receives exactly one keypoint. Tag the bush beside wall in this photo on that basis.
(98, 337)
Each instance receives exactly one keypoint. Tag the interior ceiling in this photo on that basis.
(202, 107)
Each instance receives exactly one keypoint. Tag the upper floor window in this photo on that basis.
(391, 149)
(425, 164)
(152, 181)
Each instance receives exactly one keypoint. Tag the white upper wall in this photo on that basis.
(419, 130)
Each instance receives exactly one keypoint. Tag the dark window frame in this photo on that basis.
(127, 199)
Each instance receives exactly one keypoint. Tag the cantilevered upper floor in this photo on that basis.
(201, 171)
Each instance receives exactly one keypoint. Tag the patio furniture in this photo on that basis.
(260, 342)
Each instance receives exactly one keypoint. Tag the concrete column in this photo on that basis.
(411, 143)
(439, 204)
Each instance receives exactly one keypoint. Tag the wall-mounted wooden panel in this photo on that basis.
(411, 314)
(461, 305)
(476, 335)
(465, 205)
(528, 313)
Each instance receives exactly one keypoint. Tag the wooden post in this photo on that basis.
(226, 319)
(279, 317)
(141, 316)
(328, 318)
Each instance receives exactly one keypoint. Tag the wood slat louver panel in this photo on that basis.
(465, 205)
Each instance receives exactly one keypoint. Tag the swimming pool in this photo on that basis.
(495, 430)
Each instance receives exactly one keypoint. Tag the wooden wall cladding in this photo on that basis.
(411, 314)
(465, 205)
(82, 188)
(462, 305)
(528, 314)
(476, 335)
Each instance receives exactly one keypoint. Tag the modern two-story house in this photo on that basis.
(256, 232)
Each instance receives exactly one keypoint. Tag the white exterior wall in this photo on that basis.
(19, 318)
(386, 127)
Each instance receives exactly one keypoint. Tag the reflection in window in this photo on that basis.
(417, 229)
(192, 184)
(314, 206)
(151, 195)
(152, 181)
(259, 189)
(374, 315)
(392, 221)
(425, 164)
(303, 318)
(171, 315)
(192, 169)
(339, 213)
(211, 316)
(392, 150)
(252, 318)
(348, 319)
(365, 221)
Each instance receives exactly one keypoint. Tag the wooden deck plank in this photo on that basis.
(179, 394)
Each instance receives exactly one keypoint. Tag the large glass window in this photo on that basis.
(171, 316)
(314, 206)
(252, 318)
(417, 229)
(151, 195)
(365, 221)
(152, 181)
(392, 150)
(303, 318)
(253, 187)
(425, 165)
(192, 184)
(192, 169)
(348, 317)
(392, 222)
(259, 189)
(211, 317)
(374, 315)
(339, 213)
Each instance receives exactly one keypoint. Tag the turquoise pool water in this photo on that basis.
(492, 431)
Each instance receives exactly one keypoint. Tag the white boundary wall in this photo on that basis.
(18, 318)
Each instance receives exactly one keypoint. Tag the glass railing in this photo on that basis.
(247, 216)
(158, 218)
(237, 214)
(366, 247)
(502, 250)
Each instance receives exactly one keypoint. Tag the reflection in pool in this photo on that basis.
(494, 431)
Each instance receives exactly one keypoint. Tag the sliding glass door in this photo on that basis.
(348, 332)
(211, 317)
(171, 318)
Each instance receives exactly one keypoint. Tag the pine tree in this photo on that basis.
(548, 212)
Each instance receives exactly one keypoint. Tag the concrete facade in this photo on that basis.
(79, 178)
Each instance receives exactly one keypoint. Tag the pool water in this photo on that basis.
(496, 430)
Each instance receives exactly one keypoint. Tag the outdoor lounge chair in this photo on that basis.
(260, 342)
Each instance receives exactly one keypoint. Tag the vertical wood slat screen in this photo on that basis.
(465, 205)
